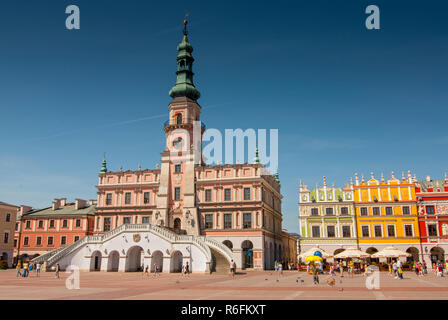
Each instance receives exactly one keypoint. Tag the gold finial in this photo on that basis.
(185, 24)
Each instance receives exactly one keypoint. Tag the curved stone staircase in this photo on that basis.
(217, 254)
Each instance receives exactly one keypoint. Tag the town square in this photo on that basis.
(188, 155)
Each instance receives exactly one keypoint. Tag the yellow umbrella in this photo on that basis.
(313, 258)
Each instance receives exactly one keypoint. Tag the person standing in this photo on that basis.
(315, 274)
(232, 268)
(38, 269)
(425, 270)
(394, 269)
(341, 269)
(25, 270)
(187, 269)
(56, 271)
(400, 269)
(156, 270)
(280, 269)
(147, 270)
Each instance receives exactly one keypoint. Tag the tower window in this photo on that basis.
(178, 168)
(146, 197)
(179, 118)
(208, 195)
(108, 199)
(177, 193)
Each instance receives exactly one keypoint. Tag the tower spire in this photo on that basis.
(184, 86)
(103, 165)
(256, 159)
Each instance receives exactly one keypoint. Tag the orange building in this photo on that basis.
(386, 214)
(42, 230)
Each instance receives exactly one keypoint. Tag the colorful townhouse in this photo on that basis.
(41, 230)
(327, 218)
(432, 202)
(386, 214)
(8, 213)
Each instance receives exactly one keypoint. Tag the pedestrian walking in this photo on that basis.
(156, 270)
(147, 270)
(232, 268)
(25, 269)
(400, 269)
(18, 269)
(187, 269)
(394, 269)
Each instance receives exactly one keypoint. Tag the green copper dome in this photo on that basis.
(184, 86)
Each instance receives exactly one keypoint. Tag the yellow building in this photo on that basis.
(386, 214)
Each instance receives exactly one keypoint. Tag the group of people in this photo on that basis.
(420, 269)
(24, 269)
(146, 270)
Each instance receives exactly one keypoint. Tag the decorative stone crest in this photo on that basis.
(137, 237)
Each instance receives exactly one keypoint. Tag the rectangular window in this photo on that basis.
(329, 211)
(26, 241)
(227, 221)
(127, 198)
(50, 241)
(376, 211)
(430, 210)
(177, 193)
(76, 238)
(15, 243)
(363, 211)
(330, 232)
(344, 211)
(378, 231)
(315, 231)
(406, 210)
(106, 224)
(314, 211)
(126, 220)
(17, 227)
(145, 220)
(178, 168)
(208, 221)
(51, 223)
(146, 197)
(39, 241)
(365, 231)
(432, 230)
(391, 231)
(8, 217)
(28, 225)
(247, 220)
(64, 223)
(389, 211)
(346, 232)
(41, 224)
(227, 194)
(6, 237)
(408, 230)
(63, 240)
(246, 193)
(208, 195)
(108, 199)
(78, 223)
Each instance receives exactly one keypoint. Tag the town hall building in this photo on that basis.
(184, 210)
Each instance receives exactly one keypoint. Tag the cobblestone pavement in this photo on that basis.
(258, 285)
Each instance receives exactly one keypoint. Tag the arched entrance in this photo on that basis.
(437, 254)
(228, 244)
(113, 261)
(95, 261)
(248, 255)
(372, 250)
(414, 254)
(157, 259)
(177, 225)
(134, 259)
(176, 262)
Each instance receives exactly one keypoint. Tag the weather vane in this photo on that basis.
(185, 24)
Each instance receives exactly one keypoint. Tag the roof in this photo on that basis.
(7, 204)
(435, 184)
(67, 210)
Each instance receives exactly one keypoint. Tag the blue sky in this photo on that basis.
(345, 99)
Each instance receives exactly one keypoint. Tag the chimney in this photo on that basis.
(63, 202)
(24, 209)
(56, 204)
(80, 204)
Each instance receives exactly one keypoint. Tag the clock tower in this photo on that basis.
(176, 202)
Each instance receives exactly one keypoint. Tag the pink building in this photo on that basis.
(238, 205)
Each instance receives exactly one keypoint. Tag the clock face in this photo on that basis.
(177, 143)
(304, 197)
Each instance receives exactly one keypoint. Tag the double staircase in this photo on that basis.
(217, 254)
